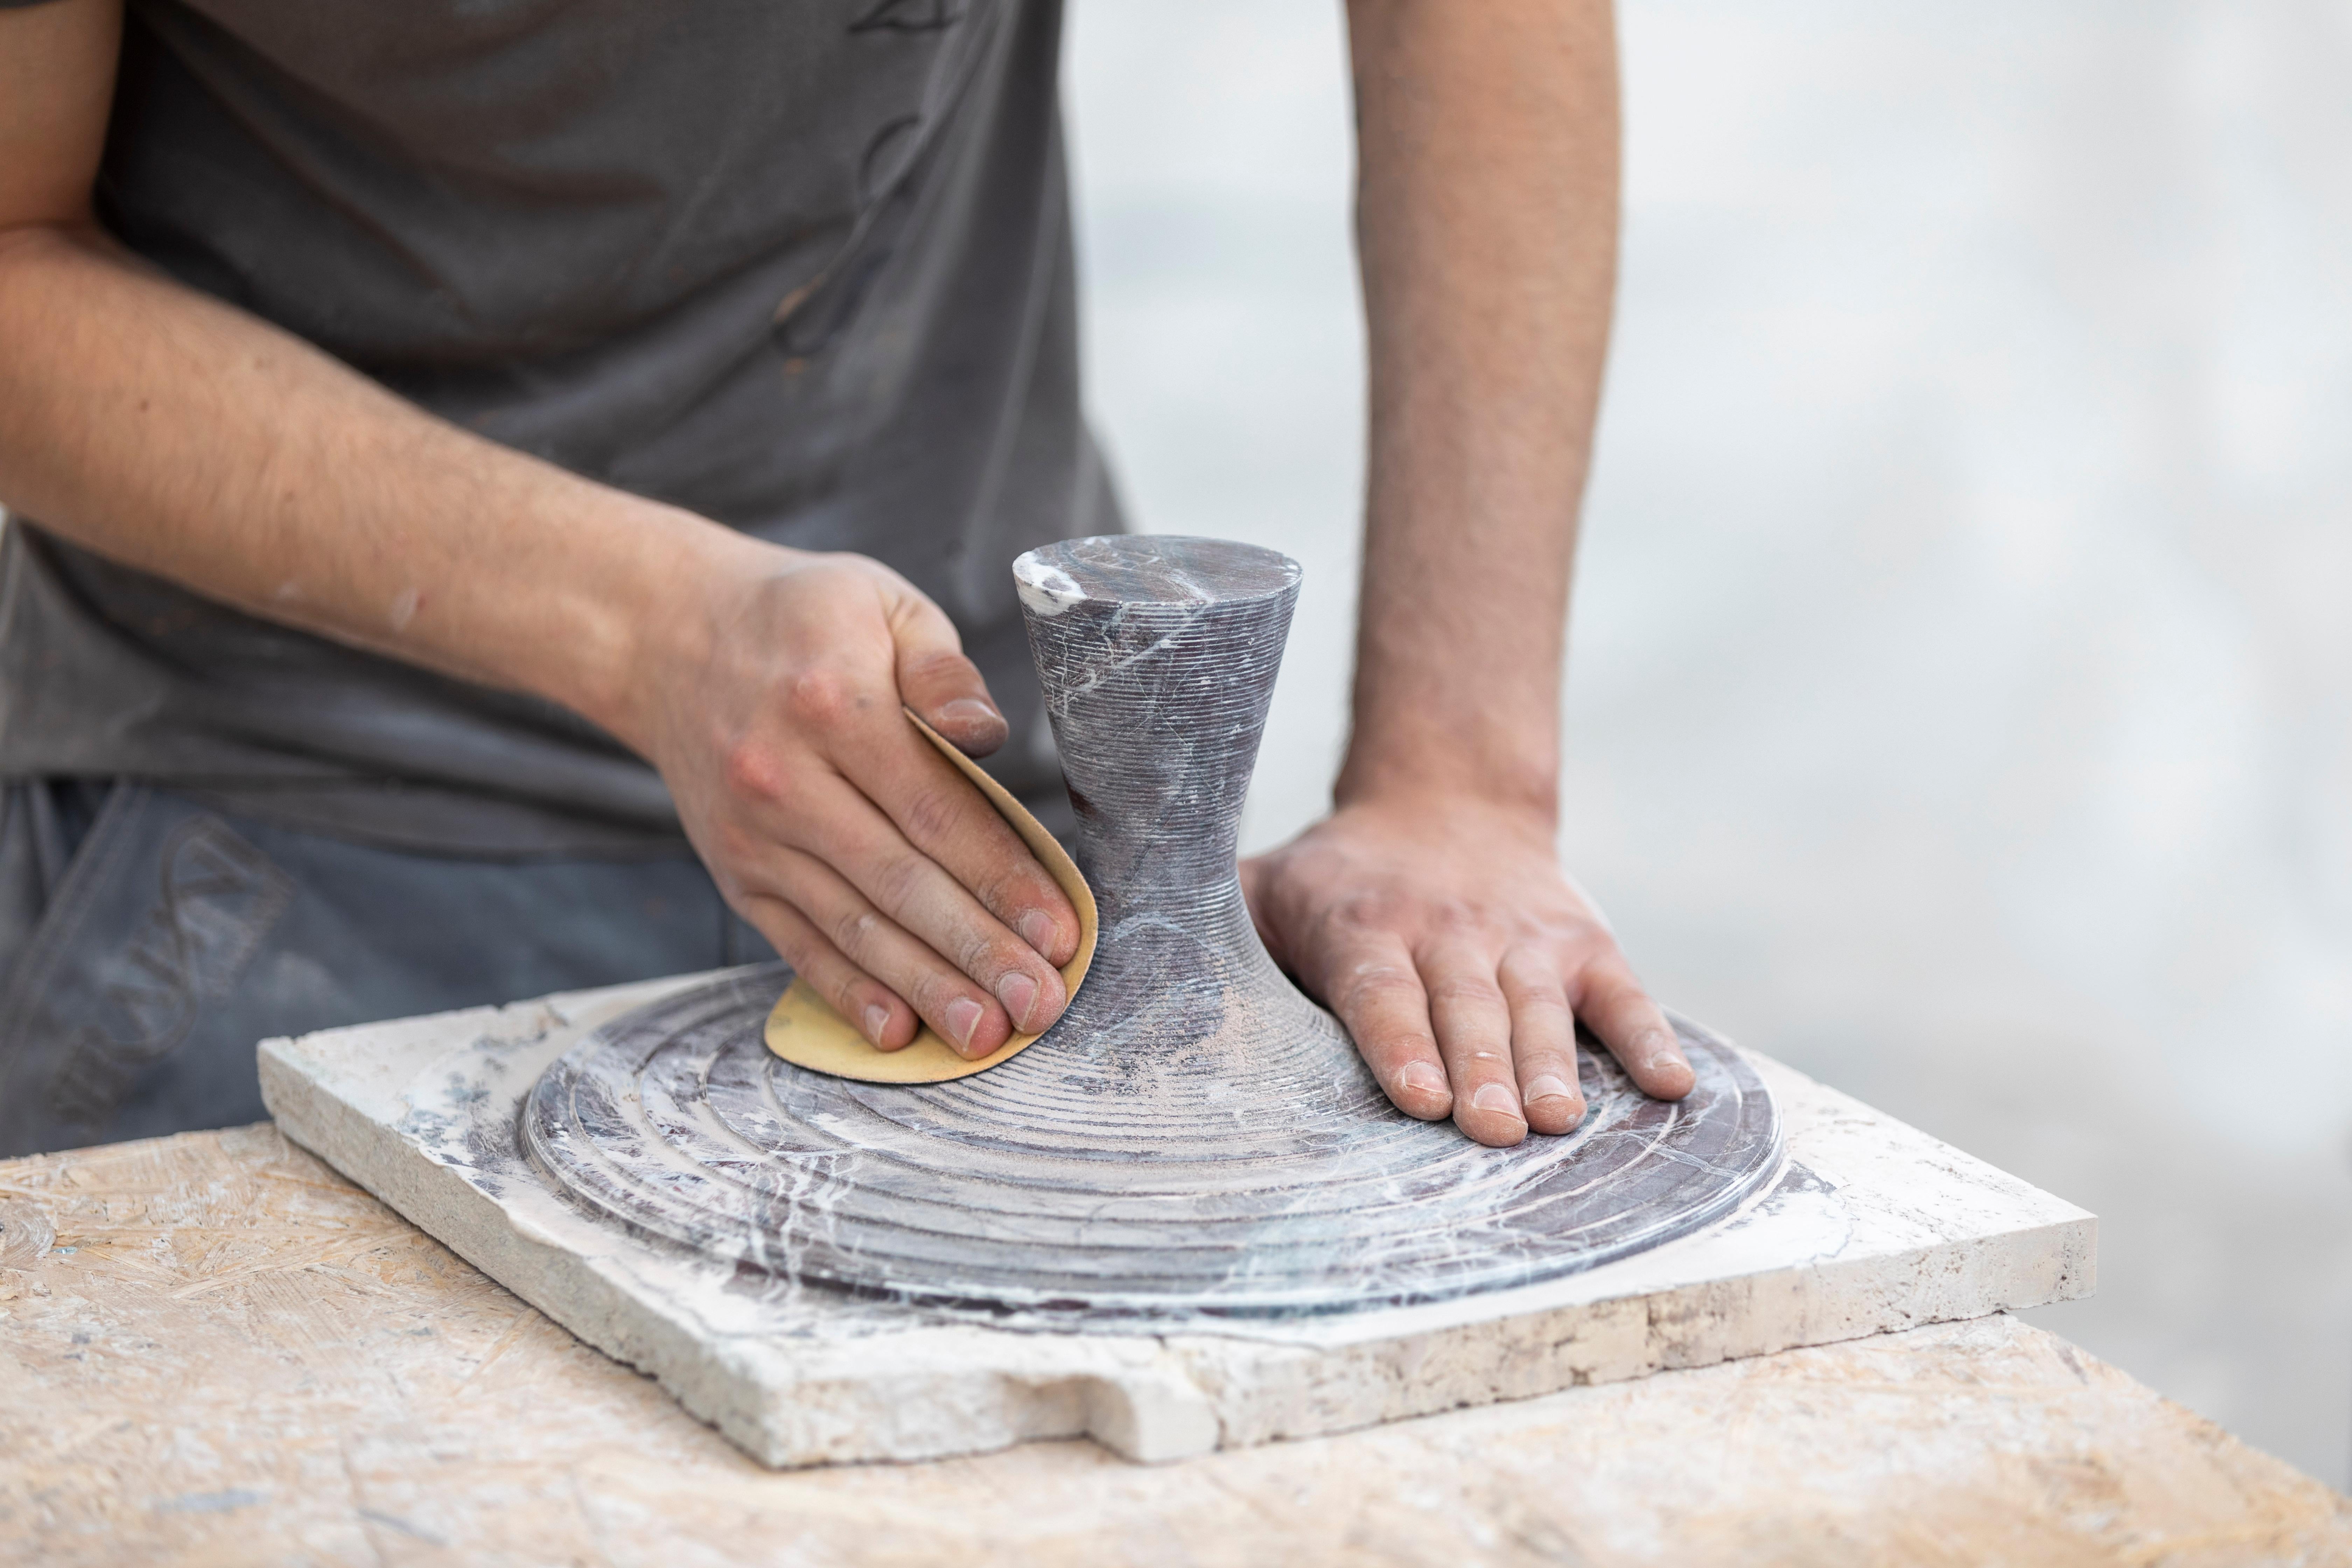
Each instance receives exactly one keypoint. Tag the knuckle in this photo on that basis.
(1422, 924)
(1550, 1054)
(800, 950)
(824, 699)
(1368, 909)
(1401, 1044)
(855, 931)
(1396, 1042)
(1603, 985)
(1374, 981)
(1533, 998)
(1573, 933)
(931, 993)
(1464, 990)
(848, 996)
(897, 880)
(1015, 891)
(986, 956)
(755, 770)
(931, 816)
(938, 666)
(1527, 968)
(1452, 918)
(1609, 968)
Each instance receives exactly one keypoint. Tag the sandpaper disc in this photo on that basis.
(804, 1030)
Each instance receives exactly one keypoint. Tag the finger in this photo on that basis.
(1474, 1036)
(939, 812)
(1371, 983)
(1620, 1014)
(878, 1014)
(958, 1011)
(944, 816)
(1543, 1041)
(887, 765)
(858, 843)
(936, 681)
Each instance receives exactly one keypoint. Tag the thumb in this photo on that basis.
(938, 682)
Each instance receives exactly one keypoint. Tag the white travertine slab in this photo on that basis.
(1873, 1226)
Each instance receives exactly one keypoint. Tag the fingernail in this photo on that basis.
(1019, 994)
(1036, 928)
(1495, 1097)
(963, 1015)
(969, 709)
(1547, 1087)
(1664, 1051)
(1422, 1079)
(877, 1018)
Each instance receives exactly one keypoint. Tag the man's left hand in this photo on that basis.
(1444, 933)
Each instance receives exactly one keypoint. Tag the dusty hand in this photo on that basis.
(886, 879)
(1456, 952)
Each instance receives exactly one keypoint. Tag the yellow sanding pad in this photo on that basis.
(806, 1032)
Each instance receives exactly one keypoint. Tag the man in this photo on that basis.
(437, 441)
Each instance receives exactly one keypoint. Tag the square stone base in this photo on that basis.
(1874, 1226)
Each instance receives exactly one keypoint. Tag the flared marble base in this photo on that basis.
(1872, 1225)
(1255, 1172)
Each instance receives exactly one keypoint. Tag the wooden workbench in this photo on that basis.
(231, 1355)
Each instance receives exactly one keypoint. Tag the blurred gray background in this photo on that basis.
(1960, 697)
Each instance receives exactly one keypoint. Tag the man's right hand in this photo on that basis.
(171, 431)
(770, 703)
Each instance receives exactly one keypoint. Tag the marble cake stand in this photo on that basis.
(1195, 1137)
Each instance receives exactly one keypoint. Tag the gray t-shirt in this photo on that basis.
(801, 266)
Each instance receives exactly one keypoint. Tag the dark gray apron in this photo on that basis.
(156, 941)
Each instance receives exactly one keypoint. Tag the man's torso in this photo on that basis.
(802, 267)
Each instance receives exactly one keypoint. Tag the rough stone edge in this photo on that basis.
(1299, 1392)
(937, 1400)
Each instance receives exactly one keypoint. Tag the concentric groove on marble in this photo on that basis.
(1061, 1180)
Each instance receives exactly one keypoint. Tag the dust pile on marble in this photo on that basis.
(1186, 1218)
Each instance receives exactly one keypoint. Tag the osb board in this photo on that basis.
(232, 1356)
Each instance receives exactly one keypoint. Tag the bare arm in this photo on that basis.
(1486, 225)
(160, 427)
(1430, 908)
